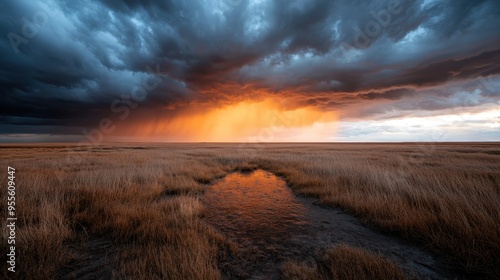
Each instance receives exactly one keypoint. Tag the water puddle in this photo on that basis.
(257, 207)
(270, 224)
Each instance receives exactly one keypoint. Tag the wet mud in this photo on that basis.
(270, 224)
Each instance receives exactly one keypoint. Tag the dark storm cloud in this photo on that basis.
(64, 63)
(390, 94)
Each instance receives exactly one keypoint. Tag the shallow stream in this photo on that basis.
(270, 224)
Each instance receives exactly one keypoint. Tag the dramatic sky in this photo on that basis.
(250, 70)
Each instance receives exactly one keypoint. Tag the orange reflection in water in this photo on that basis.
(265, 121)
(256, 206)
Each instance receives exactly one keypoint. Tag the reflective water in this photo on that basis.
(269, 224)
(256, 206)
(261, 215)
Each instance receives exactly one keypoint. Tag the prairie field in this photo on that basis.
(136, 211)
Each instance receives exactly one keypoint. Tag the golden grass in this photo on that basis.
(132, 198)
(343, 262)
(144, 199)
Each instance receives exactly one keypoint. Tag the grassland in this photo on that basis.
(144, 201)
(343, 262)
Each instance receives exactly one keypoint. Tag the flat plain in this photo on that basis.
(136, 211)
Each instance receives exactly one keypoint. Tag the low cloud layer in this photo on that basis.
(65, 65)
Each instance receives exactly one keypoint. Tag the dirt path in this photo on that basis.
(270, 224)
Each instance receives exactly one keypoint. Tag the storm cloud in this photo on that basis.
(67, 64)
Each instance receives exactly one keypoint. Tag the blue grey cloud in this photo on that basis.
(64, 63)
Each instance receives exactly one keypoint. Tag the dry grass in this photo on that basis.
(145, 204)
(144, 199)
(343, 262)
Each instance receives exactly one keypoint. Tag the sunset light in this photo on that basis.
(250, 139)
(248, 70)
(262, 121)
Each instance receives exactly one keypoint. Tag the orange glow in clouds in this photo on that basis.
(262, 121)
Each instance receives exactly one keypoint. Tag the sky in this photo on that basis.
(250, 70)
